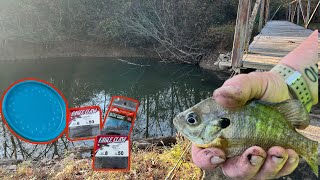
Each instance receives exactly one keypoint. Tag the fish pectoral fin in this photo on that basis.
(293, 110)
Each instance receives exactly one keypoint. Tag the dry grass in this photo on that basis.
(152, 163)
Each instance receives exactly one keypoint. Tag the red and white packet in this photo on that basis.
(84, 123)
(111, 153)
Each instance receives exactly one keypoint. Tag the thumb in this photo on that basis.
(236, 91)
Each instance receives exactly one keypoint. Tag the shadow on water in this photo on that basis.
(162, 89)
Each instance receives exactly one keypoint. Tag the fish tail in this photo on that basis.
(312, 159)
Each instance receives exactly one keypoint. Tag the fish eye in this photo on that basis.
(224, 123)
(192, 118)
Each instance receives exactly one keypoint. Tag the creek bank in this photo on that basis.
(22, 50)
(151, 163)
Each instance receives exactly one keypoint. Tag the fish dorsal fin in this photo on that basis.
(293, 110)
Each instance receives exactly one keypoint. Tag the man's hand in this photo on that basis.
(254, 162)
(269, 86)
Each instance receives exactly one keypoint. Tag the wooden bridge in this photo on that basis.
(275, 41)
(276, 38)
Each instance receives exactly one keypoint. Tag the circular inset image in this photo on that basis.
(34, 110)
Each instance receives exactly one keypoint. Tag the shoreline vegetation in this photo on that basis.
(152, 162)
(149, 162)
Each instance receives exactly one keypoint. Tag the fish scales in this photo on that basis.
(262, 132)
(258, 123)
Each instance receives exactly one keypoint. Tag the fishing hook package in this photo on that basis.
(112, 147)
(111, 152)
(119, 119)
(84, 123)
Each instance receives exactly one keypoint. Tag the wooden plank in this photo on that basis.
(312, 132)
(240, 33)
(255, 65)
(261, 66)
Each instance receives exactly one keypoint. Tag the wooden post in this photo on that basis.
(290, 9)
(267, 11)
(251, 22)
(298, 15)
(302, 12)
(240, 33)
(261, 14)
(308, 11)
(296, 8)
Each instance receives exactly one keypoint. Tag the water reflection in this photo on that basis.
(162, 89)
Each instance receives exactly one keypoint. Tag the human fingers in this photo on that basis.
(290, 165)
(275, 161)
(236, 91)
(245, 166)
(207, 159)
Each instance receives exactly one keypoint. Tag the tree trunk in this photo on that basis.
(14, 146)
(147, 123)
(172, 109)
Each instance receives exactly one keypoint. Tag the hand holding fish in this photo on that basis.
(256, 162)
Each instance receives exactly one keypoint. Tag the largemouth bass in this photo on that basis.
(258, 123)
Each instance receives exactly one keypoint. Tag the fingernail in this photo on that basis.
(256, 160)
(227, 88)
(277, 160)
(227, 91)
(216, 160)
(292, 160)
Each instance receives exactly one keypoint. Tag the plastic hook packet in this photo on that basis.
(111, 152)
(84, 123)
